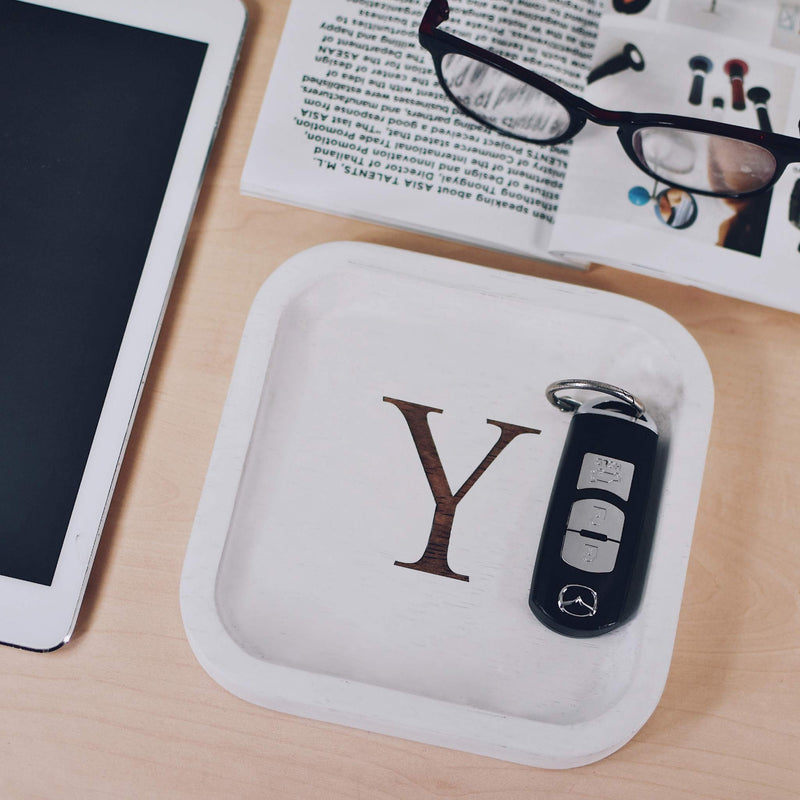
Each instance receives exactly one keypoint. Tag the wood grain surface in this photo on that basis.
(125, 710)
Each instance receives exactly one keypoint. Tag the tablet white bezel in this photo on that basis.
(41, 617)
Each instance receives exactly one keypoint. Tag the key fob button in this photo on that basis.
(590, 555)
(594, 530)
(596, 516)
(609, 474)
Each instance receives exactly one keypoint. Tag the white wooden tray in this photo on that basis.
(290, 593)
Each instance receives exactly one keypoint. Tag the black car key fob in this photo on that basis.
(594, 548)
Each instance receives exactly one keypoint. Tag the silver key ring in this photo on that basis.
(570, 404)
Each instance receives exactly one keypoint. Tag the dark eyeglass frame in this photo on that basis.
(784, 149)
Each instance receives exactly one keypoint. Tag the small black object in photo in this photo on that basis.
(630, 6)
(630, 57)
(794, 205)
(700, 67)
(759, 96)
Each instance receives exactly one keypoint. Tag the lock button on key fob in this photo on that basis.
(594, 547)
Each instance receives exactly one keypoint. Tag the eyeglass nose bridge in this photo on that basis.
(584, 112)
(626, 128)
(600, 116)
(606, 118)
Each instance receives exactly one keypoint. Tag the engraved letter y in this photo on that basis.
(434, 559)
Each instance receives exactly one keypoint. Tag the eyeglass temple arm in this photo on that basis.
(438, 12)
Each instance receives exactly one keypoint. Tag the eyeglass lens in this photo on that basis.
(502, 101)
(704, 162)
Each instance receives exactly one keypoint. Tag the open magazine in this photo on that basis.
(354, 122)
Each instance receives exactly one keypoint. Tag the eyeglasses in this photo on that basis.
(700, 156)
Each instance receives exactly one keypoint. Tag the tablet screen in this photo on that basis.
(92, 114)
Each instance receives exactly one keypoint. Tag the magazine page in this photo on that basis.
(354, 120)
(730, 60)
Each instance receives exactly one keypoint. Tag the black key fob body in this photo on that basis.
(594, 548)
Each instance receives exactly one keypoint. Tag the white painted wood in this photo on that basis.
(290, 595)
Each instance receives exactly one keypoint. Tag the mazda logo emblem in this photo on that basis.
(577, 600)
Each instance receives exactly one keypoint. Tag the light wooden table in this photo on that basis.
(125, 710)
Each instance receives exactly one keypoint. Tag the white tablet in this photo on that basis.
(108, 109)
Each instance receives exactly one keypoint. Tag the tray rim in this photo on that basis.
(376, 708)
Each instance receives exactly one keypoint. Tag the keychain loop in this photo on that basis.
(570, 404)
